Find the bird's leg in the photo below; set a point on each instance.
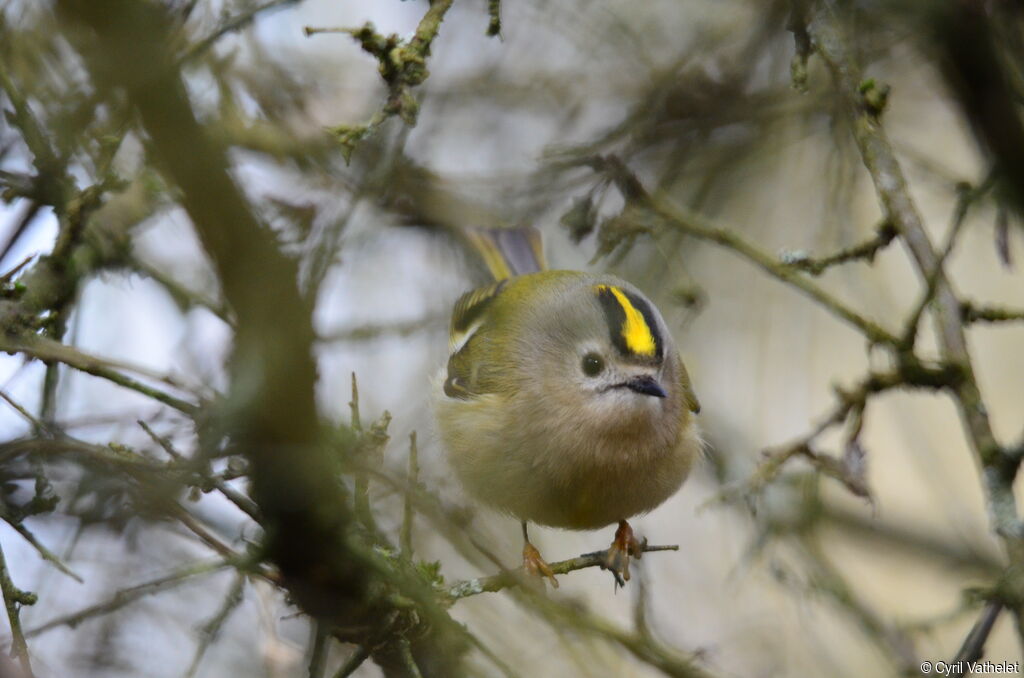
(623, 546)
(533, 563)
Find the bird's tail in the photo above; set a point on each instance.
(507, 252)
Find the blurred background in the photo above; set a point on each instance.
(721, 108)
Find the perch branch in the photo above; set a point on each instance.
(503, 580)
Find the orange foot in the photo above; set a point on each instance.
(535, 566)
(617, 556)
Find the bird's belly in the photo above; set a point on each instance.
(609, 485)
(555, 479)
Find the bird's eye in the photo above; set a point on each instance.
(593, 364)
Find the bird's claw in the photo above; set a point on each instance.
(618, 554)
(536, 567)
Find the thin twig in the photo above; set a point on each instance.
(45, 553)
(407, 512)
(647, 649)
(909, 374)
(25, 414)
(182, 295)
(231, 25)
(865, 251)
(963, 203)
(374, 331)
(14, 599)
(211, 629)
(411, 668)
(494, 18)
(9, 275)
(53, 351)
(356, 423)
(973, 647)
(130, 595)
(244, 503)
(318, 652)
(369, 449)
(828, 579)
(972, 313)
(190, 523)
(502, 666)
(353, 663)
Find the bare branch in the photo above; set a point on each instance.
(973, 313)
(231, 25)
(885, 233)
(131, 594)
(45, 553)
(53, 351)
(211, 629)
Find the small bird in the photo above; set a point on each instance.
(564, 402)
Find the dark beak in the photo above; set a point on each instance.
(646, 385)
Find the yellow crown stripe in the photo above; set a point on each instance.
(635, 331)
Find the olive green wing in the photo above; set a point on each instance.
(467, 342)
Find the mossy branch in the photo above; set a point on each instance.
(402, 65)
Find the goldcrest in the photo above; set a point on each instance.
(564, 402)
